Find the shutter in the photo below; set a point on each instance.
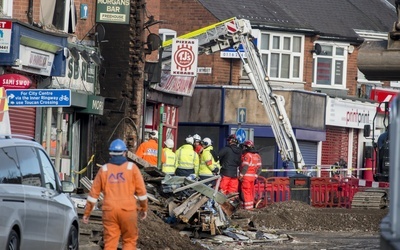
(309, 150)
(23, 120)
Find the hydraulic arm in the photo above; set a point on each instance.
(233, 33)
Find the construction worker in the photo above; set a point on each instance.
(148, 150)
(197, 144)
(168, 166)
(249, 170)
(187, 160)
(230, 160)
(209, 164)
(119, 181)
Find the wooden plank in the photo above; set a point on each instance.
(194, 208)
(180, 209)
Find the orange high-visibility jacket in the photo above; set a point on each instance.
(119, 184)
(148, 151)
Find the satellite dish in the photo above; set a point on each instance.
(153, 42)
(317, 49)
(100, 33)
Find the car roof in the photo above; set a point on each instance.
(8, 142)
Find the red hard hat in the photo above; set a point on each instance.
(232, 138)
(249, 144)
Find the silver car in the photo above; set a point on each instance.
(36, 211)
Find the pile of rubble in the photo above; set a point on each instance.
(203, 217)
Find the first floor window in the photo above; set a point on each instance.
(330, 66)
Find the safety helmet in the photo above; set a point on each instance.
(169, 143)
(189, 140)
(206, 142)
(248, 144)
(197, 138)
(232, 138)
(154, 134)
(117, 147)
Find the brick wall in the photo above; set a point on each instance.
(192, 16)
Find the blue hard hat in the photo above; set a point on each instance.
(117, 145)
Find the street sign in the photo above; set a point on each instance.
(39, 98)
(241, 135)
(241, 115)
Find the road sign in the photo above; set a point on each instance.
(39, 97)
(241, 135)
(241, 115)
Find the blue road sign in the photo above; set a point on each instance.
(241, 135)
(39, 97)
(241, 115)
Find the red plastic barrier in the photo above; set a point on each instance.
(331, 192)
(270, 190)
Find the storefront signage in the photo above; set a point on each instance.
(95, 105)
(79, 75)
(39, 98)
(15, 81)
(34, 61)
(5, 36)
(349, 113)
(383, 95)
(184, 57)
(113, 11)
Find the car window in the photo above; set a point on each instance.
(29, 165)
(48, 171)
(9, 172)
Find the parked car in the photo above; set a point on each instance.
(36, 210)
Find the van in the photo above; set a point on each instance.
(36, 209)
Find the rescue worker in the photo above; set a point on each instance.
(197, 144)
(249, 170)
(119, 181)
(148, 150)
(187, 160)
(168, 166)
(209, 164)
(230, 160)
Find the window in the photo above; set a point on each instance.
(330, 66)
(282, 55)
(9, 171)
(166, 34)
(6, 7)
(48, 171)
(30, 168)
(58, 13)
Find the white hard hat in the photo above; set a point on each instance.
(189, 140)
(154, 134)
(169, 143)
(206, 142)
(197, 137)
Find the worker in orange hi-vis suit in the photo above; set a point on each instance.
(148, 150)
(249, 170)
(119, 181)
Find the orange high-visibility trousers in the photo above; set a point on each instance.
(120, 222)
(247, 192)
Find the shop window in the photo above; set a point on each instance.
(60, 14)
(65, 133)
(6, 7)
(330, 66)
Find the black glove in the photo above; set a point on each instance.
(216, 171)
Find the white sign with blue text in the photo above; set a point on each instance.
(39, 98)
